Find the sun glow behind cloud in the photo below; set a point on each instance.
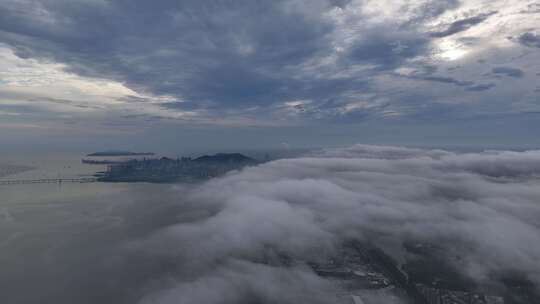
(31, 79)
(450, 51)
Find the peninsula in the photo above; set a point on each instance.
(184, 169)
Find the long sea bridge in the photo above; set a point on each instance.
(47, 181)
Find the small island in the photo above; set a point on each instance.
(114, 157)
(120, 153)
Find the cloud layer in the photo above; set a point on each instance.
(246, 237)
(480, 208)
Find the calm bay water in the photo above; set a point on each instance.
(65, 243)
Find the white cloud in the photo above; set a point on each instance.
(480, 207)
(47, 86)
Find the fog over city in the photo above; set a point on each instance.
(482, 208)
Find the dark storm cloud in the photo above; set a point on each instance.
(232, 84)
(247, 59)
(508, 71)
(225, 52)
(481, 87)
(388, 48)
(442, 79)
(466, 84)
(215, 55)
(462, 25)
(530, 39)
(340, 3)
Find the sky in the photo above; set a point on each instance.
(222, 74)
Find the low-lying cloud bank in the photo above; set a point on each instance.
(483, 209)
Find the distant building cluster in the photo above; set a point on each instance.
(441, 296)
(167, 169)
(367, 275)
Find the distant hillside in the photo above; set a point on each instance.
(120, 153)
(225, 158)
